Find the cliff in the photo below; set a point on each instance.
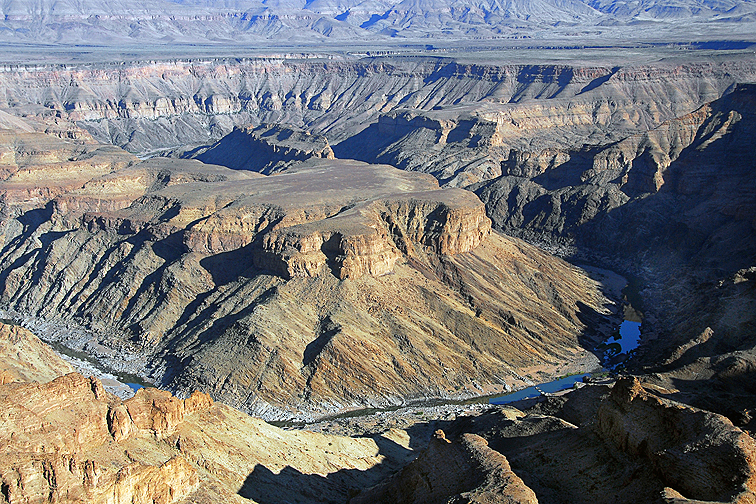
(174, 104)
(67, 440)
(265, 149)
(279, 294)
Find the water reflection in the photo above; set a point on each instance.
(551, 387)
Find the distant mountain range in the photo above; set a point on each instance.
(285, 22)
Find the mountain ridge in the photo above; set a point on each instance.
(68, 22)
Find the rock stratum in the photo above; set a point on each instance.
(330, 286)
(182, 103)
(65, 439)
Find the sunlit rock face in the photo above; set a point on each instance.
(334, 284)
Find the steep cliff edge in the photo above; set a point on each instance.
(67, 440)
(265, 149)
(153, 105)
(279, 294)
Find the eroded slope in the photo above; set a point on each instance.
(334, 285)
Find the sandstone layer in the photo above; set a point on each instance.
(178, 103)
(265, 149)
(26, 359)
(330, 286)
(67, 440)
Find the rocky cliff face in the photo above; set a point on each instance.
(51, 434)
(672, 205)
(704, 456)
(266, 149)
(535, 118)
(629, 443)
(279, 294)
(175, 104)
(448, 471)
(67, 440)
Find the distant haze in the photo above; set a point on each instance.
(292, 22)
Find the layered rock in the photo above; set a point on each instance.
(279, 294)
(52, 434)
(65, 441)
(449, 471)
(535, 119)
(26, 359)
(265, 149)
(175, 104)
(698, 453)
(35, 167)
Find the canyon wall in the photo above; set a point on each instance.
(174, 104)
(278, 294)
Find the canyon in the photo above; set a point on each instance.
(275, 292)
(307, 237)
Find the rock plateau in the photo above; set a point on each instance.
(279, 294)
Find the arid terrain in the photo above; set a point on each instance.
(359, 221)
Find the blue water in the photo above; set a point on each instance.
(629, 337)
(621, 344)
(135, 386)
(536, 390)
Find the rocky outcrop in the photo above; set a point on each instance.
(265, 149)
(35, 167)
(451, 471)
(176, 104)
(698, 453)
(64, 441)
(51, 437)
(534, 120)
(23, 358)
(255, 289)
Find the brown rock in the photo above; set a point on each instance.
(700, 453)
(23, 357)
(466, 470)
(259, 287)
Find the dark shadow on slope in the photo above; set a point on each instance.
(598, 81)
(227, 267)
(566, 174)
(365, 145)
(327, 330)
(290, 486)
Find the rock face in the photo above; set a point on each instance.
(26, 359)
(531, 120)
(466, 470)
(168, 105)
(697, 161)
(279, 294)
(69, 441)
(36, 167)
(51, 436)
(266, 149)
(599, 444)
(698, 453)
